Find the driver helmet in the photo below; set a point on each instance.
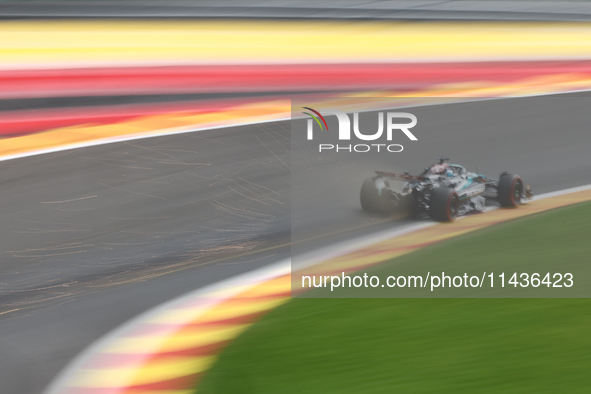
(449, 173)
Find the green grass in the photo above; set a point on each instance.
(407, 345)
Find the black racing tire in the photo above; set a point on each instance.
(510, 190)
(370, 199)
(445, 204)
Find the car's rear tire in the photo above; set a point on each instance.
(445, 204)
(370, 199)
(510, 190)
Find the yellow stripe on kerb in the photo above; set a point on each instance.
(174, 342)
(148, 373)
(223, 311)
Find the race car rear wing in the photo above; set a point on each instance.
(401, 177)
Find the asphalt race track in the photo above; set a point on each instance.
(92, 237)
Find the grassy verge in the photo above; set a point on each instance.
(429, 345)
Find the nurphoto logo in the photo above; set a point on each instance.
(344, 134)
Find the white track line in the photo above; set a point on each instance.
(131, 137)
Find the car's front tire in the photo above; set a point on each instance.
(510, 191)
(445, 204)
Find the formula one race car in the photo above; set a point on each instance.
(443, 192)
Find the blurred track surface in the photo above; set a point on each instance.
(91, 237)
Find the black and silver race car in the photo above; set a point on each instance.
(443, 192)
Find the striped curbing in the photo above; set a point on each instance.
(227, 114)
